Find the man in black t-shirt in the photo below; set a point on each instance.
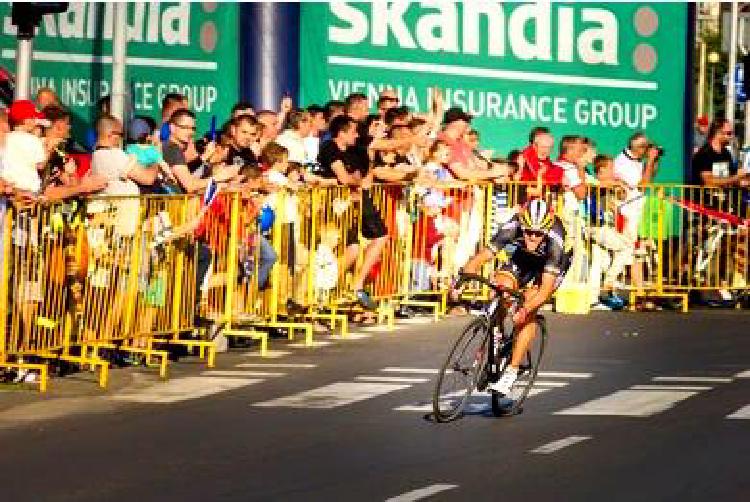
(714, 168)
(243, 136)
(342, 163)
(713, 164)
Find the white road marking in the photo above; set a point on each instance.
(334, 395)
(240, 373)
(351, 336)
(416, 320)
(474, 407)
(316, 344)
(630, 403)
(742, 413)
(670, 387)
(691, 379)
(421, 493)
(271, 354)
(377, 329)
(545, 383)
(743, 374)
(276, 365)
(390, 379)
(182, 389)
(562, 374)
(416, 371)
(535, 391)
(559, 444)
(427, 405)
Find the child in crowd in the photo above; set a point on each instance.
(436, 168)
(144, 144)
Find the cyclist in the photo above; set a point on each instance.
(531, 248)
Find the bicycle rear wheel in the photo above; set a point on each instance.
(512, 403)
(462, 367)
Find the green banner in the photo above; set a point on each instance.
(172, 47)
(604, 70)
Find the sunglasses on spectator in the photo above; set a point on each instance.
(183, 126)
(534, 233)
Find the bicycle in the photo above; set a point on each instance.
(482, 353)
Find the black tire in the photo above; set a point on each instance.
(458, 376)
(513, 403)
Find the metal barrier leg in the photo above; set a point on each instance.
(41, 368)
(255, 335)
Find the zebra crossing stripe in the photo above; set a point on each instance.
(558, 445)
(276, 365)
(670, 387)
(390, 379)
(316, 344)
(743, 413)
(692, 379)
(183, 389)
(416, 371)
(270, 354)
(422, 493)
(544, 383)
(743, 374)
(633, 402)
(240, 373)
(334, 395)
(562, 374)
(351, 336)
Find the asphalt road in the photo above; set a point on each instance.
(630, 407)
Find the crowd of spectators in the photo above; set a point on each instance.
(339, 143)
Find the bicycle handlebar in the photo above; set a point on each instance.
(500, 290)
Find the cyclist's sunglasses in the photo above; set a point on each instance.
(534, 233)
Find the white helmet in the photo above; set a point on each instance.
(536, 215)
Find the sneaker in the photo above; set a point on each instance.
(293, 307)
(600, 306)
(221, 343)
(404, 312)
(506, 381)
(215, 335)
(364, 299)
(25, 376)
(320, 329)
(613, 301)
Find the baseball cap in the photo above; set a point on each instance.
(454, 114)
(138, 128)
(23, 109)
(703, 121)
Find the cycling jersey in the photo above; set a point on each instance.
(528, 266)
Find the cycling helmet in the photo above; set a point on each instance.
(536, 215)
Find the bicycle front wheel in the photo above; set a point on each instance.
(527, 373)
(463, 366)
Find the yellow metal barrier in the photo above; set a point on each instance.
(173, 269)
(130, 273)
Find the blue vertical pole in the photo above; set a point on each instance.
(269, 64)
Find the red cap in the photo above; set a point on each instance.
(23, 109)
(702, 121)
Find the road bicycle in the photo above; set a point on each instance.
(482, 352)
